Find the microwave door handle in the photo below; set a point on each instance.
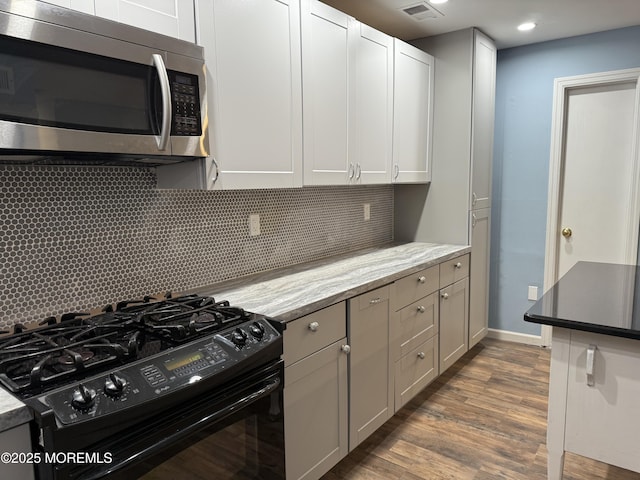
(166, 101)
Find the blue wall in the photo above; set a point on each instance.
(522, 142)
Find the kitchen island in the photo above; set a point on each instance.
(594, 385)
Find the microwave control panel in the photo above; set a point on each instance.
(185, 103)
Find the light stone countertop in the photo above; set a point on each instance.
(290, 293)
(13, 412)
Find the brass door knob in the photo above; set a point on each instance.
(566, 232)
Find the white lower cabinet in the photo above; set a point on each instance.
(315, 393)
(16, 440)
(346, 375)
(479, 275)
(414, 334)
(370, 386)
(454, 323)
(454, 310)
(594, 415)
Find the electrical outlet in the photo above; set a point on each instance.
(533, 293)
(367, 211)
(254, 224)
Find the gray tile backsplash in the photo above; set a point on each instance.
(75, 238)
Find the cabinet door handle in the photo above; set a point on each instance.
(358, 171)
(396, 171)
(591, 360)
(214, 179)
(445, 295)
(422, 279)
(474, 220)
(421, 355)
(313, 326)
(474, 198)
(346, 349)
(421, 309)
(373, 301)
(458, 265)
(351, 171)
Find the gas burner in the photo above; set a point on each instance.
(62, 350)
(73, 358)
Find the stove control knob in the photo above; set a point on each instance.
(239, 337)
(257, 330)
(114, 385)
(83, 398)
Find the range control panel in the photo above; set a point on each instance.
(152, 377)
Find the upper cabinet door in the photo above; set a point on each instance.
(168, 17)
(325, 100)
(371, 104)
(85, 6)
(484, 86)
(254, 89)
(412, 114)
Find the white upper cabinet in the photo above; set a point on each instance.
(412, 114)
(85, 6)
(370, 104)
(174, 18)
(254, 91)
(325, 76)
(484, 86)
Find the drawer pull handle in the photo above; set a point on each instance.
(373, 301)
(458, 265)
(346, 349)
(421, 355)
(421, 309)
(313, 326)
(591, 360)
(421, 279)
(445, 295)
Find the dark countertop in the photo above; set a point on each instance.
(594, 297)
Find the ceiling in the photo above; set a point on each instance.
(497, 18)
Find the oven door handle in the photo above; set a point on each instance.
(270, 387)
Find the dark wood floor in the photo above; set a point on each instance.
(484, 418)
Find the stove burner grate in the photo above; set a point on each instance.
(32, 361)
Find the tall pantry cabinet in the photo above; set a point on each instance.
(456, 207)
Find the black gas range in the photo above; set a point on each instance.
(143, 380)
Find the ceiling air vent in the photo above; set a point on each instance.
(421, 11)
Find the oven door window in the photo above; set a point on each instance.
(247, 447)
(58, 87)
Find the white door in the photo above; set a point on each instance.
(593, 198)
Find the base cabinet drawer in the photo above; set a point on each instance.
(454, 270)
(415, 286)
(414, 324)
(316, 409)
(415, 371)
(312, 332)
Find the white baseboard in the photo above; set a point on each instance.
(515, 337)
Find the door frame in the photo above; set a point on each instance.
(561, 89)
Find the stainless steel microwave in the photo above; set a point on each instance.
(75, 84)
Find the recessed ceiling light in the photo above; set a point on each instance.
(435, 2)
(523, 27)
